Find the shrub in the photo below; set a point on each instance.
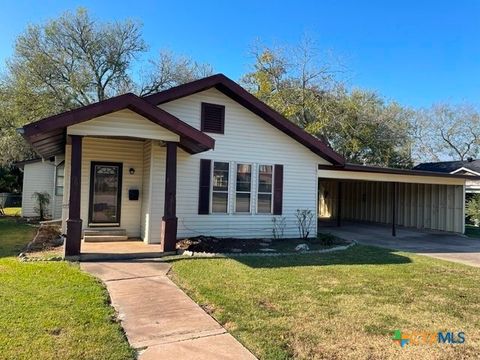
(305, 219)
(43, 200)
(279, 225)
(472, 209)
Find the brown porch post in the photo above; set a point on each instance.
(394, 208)
(169, 219)
(74, 223)
(339, 203)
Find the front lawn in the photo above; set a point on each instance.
(52, 310)
(14, 211)
(340, 305)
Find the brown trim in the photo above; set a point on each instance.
(243, 97)
(204, 106)
(278, 190)
(394, 208)
(169, 219)
(74, 222)
(119, 195)
(47, 136)
(379, 170)
(339, 203)
(204, 187)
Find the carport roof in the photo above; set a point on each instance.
(393, 171)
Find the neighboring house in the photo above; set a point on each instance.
(43, 176)
(209, 158)
(470, 168)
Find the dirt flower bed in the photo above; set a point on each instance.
(211, 244)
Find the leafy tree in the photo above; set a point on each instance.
(472, 209)
(73, 61)
(307, 89)
(447, 131)
(10, 179)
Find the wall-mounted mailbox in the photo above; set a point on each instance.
(133, 194)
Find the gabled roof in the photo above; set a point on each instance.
(243, 97)
(48, 135)
(450, 166)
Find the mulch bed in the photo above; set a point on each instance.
(211, 244)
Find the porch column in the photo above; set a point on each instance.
(339, 203)
(169, 219)
(394, 208)
(74, 223)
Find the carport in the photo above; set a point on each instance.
(399, 198)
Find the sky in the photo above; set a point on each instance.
(414, 52)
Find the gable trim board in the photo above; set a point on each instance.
(48, 137)
(466, 170)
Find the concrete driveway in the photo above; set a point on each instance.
(440, 245)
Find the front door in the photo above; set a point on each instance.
(105, 193)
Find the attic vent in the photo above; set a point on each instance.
(213, 118)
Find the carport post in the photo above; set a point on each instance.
(394, 208)
(339, 203)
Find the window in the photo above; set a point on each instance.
(213, 118)
(265, 181)
(243, 191)
(59, 178)
(220, 187)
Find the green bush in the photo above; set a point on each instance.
(472, 209)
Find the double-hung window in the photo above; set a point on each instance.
(244, 188)
(220, 187)
(264, 194)
(59, 178)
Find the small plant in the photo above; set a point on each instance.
(305, 220)
(325, 239)
(43, 200)
(472, 209)
(279, 225)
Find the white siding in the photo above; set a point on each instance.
(123, 123)
(127, 152)
(37, 177)
(247, 139)
(146, 193)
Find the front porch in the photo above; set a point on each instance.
(121, 250)
(122, 188)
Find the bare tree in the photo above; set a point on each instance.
(77, 58)
(447, 131)
(170, 70)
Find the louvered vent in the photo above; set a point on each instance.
(213, 118)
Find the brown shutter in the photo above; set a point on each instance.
(278, 190)
(204, 191)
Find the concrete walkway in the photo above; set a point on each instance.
(159, 319)
(437, 244)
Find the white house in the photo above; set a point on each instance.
(43, 176)
(209, 158)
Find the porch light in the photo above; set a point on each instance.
(131, 171)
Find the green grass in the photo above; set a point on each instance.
(340, 305)
(16, 211)
(52, 310)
